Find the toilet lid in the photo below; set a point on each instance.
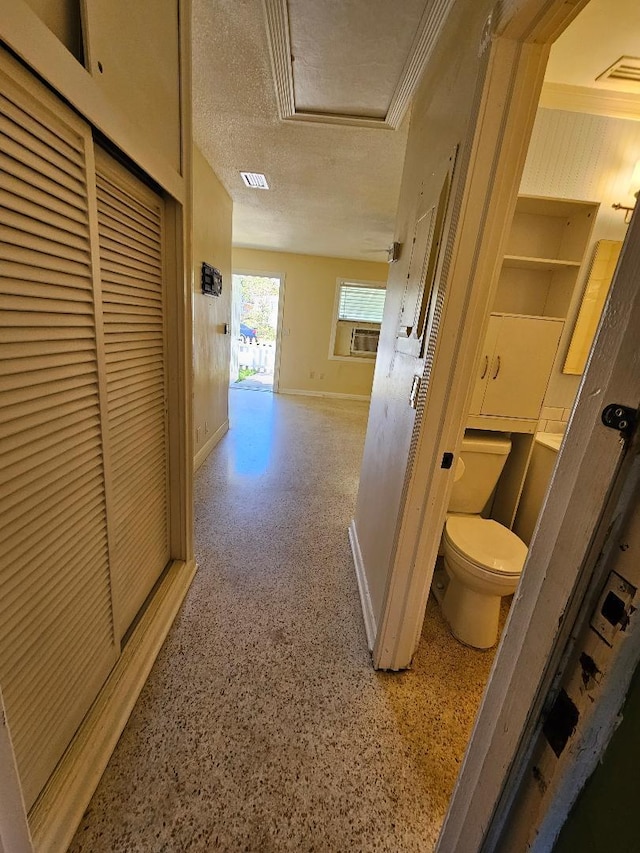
(487, 543)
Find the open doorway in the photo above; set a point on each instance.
(254, 332)
(515, 278)
(536, 306)
(562, 246)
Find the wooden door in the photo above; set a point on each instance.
(130, 236)
(57, 642)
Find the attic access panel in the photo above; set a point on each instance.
(333, 72)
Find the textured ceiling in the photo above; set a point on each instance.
(334, 188)
(604, 31)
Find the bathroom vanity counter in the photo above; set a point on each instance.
(550, 440)
(541, 465)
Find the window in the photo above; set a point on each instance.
(358, 315)
(360, 302)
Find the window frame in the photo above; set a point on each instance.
(335, 320)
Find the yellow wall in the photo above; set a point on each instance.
(310, 289)
(131, 92)
(212, 211)
(136, 43)
(439, 120)
(62, 17)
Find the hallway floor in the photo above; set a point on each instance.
(262, 726)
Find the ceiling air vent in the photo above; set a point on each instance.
(625, 70)
(254, 180)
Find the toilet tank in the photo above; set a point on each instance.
(484, 454)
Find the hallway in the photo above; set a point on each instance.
(262, 726)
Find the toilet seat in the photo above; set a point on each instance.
(485, 544)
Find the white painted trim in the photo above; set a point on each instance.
(337, 118)
(208, 446)
(277, 18)
(351, 359)
(335, 394)
(278, 37)
(58, 812)
(582, 99)
(281, 306)
(431, 25)
(363, 587)
(279, 332)
(14, 827)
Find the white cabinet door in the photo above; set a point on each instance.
(519, 371)
(486, 360)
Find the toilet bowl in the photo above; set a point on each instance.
(483, 561)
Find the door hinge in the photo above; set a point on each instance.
(621, 418)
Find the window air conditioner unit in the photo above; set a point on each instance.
(365, 342)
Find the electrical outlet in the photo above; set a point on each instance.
(614, 608)
(321, 376)
(312, 374)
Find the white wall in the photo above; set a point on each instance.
(589, 158)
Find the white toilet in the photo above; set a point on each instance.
(483, 560)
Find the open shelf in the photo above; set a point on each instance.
(528, 316)
(534, 263)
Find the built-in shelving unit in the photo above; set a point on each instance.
(545, 250)
(522, 262)
(546, 246)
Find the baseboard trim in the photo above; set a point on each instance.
(59, 810)
(208, 446)
(363, 587)
(366, 398)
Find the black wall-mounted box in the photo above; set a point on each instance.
(211, 280)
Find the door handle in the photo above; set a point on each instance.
(495, 375)
(415, 390)
(485, 368)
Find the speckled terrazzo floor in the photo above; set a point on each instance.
(262, 726)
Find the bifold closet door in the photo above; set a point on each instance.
(130, 220)
(56, 624)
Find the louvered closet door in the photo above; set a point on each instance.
(56, 629)
(130, 229)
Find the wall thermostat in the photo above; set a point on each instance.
(211, 280)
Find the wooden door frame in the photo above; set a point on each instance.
(514, 53)
(559, 569)
(594, 484)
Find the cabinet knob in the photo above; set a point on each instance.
(485, 368)
(495, 375)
